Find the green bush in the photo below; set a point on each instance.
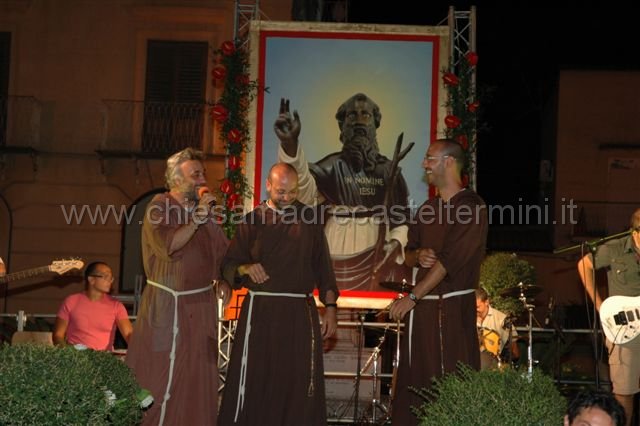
(500, 271)
(63, 386)
(492, 397)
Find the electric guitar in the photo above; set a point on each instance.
(620, 318)
(57, 266)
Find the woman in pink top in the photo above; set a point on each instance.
(90, 317)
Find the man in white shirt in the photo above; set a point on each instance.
(494, 330)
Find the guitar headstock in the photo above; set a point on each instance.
(65, 265)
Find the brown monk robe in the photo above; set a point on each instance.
(276, 374)
(182, 253)
(447, 242)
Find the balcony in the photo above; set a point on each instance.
(154, 129)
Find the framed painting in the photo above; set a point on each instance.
(320, 69)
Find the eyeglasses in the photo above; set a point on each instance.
(104, 277)
(435, 157)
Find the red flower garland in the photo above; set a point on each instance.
(230, 115)
(462, 108)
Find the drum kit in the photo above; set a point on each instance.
(377, 412)
(490, 340)
(525, 294)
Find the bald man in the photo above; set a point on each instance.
(280, 254)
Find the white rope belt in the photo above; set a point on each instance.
(172, 355)
(245, 344)
(434, 297)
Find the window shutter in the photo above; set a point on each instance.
(174, 95)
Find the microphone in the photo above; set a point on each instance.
(205, 190)
(547, 319)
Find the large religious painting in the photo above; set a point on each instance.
(361, 95)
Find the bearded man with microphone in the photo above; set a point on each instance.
(173, 350)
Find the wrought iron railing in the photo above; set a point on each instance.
(20, 121)
(155, 127)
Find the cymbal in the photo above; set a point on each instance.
(401, 287)
(521, 289)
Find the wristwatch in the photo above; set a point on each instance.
(413, 297)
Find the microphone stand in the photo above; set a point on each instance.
(508, 323)
(375, 402)
(593, 248)
(361, 315)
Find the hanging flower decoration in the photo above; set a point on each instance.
(226, 187)
(230, 115)
(228, 48)
(451, 121)
(450, 79)
(219, 113)
(219, 72)
(234, 136)
(472, 58)
(233, 162)
(461, 121)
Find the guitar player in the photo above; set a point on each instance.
(621, 258)
(494, 332)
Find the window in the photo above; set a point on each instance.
(174, 107)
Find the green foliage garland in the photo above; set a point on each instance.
(230, 114)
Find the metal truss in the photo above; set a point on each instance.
(462, 31)
(226, 331)
(245, 12)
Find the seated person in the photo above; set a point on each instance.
(493, 323)
(3, 269)
(90, 318)
(597, 408)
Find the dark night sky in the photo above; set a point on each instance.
(521, 50)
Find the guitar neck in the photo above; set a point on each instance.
(24, 274)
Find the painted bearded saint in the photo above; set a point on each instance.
(367, 208)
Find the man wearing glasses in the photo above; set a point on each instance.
(621, 258)
(90, 317)
(447, 241)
